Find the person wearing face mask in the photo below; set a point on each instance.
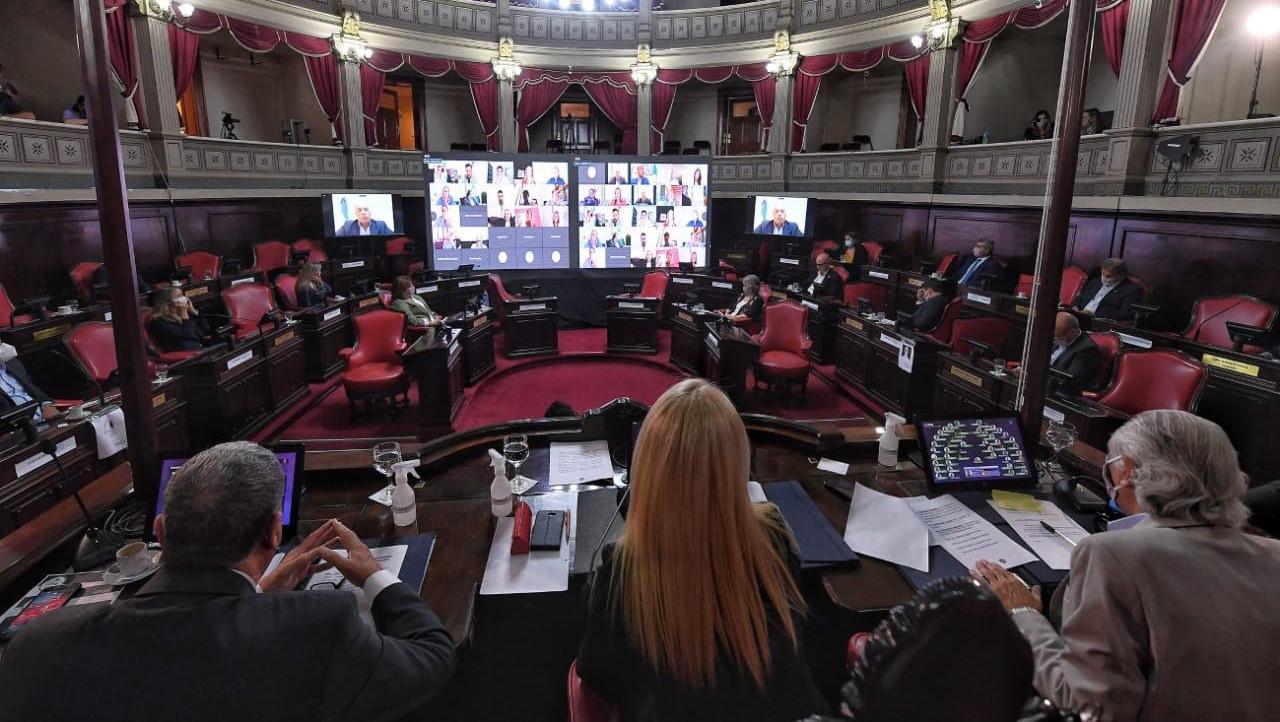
(17, 388)
(824, 283)
(854, 254)
(1110, 294)
(175, 325)
(981, 269)
(1170, 619)
(1074, 353)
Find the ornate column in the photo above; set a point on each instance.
(1142, 71)
(506, 70)
(643, 73)
(351, 51)
(781, 64)
(150, 19)
(939, 105)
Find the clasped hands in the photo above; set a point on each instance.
(316, 553)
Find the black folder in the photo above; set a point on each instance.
(821, 546)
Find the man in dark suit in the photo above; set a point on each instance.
(1074, 353)
(930, 304)
(211, 637)
(1110, 294)
(16, 386)
(981, 269)
(778, 225)
(824, 283)
(363, 224)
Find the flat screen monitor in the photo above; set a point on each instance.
(651, 213)
(350, 215)
(498, 214)
(780, 216)
(292, 458)
(975, 453)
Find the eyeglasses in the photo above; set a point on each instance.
(325, 586)
(1106, 471)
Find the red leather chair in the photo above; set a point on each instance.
(1025, 283)
(942, 332)
(842, 272)
(153, 349)
(7, 317)
(201, 262)
(270, 256)
(1210, 315)
(82, 279)
(1073, 280)
(873, 292)
(585, 704)
(315, 247)
(375, 370)
(398, 246)
(727, 271)
(1109, 345)
(944, 265)
(783, 346)
(246, 305)
(873, 251)
(655, 286)
(287, 290)
(827, 247)
(93, 345)
(1154, 379)
(857, 643)
(502, 296)
(762, 256)
(991, 330)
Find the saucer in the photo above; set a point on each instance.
(113, 576)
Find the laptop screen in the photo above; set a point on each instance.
(975, 452)
(288, 464)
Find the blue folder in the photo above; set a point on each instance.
(821, 546)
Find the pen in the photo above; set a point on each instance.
(1050, 529)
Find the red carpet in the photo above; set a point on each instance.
(583, 376)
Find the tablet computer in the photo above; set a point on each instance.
(975, 452)
(292, 458)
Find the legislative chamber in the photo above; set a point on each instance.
(638, 360)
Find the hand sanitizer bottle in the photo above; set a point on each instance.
(404, 504)
(889, 439)
(500, 489)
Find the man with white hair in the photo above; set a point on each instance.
(1172, 619)
(211, 637)
(364, 223)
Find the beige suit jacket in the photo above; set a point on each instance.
(1165, 621)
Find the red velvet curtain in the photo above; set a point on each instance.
(432, 67)
(662, 97)
(326, 81)
(765, 89)
(1114, 18)
(536, 98)
(124, 61)
(184, 50)
(804, 91)
(1193, 25)
(918, 83)
(251, 36)
(371, 82)
(618, 103)
(860, 61)
(484, 91)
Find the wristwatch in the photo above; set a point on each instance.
(1014, 612)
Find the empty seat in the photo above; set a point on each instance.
(247, 304)
(82, 279)
(375, 369)
(784, 343)
(873, 292)
(1153, 379)
(314, 249)
(1210, 315)
(270, 256)
(991, 330)
(204, 265)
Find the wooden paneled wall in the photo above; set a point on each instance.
(1181, 257)
(40, 243)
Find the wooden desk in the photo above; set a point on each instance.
(867, 359)
(228, 280)
(477, 343)
(631, 324)
(788, 268)
(325, 331)
(887, 277)
(439, 296)
(434, 361)
(688, 334)
(343, 272)
(204, 295)
(28, 476)
(532, 327)
(363, 303)
(712, 292)
(234, 391)
(730, 352)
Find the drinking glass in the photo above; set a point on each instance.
(1060, 436)
(162, 373)
(385, 456)
(998, 366)
(515, 447)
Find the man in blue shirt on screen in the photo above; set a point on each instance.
(779, 225)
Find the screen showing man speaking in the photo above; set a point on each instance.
(780, 216)
(361, 214)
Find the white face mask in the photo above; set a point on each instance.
(7, 353)
(1111, 282)
(848, 243)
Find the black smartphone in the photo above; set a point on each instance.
(841, 487)
(45, 601)
(548, 530)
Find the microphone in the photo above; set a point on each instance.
(1219, 313)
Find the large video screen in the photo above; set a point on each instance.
(780, 216)
(361, 214)
(649, 214)
(498, 214)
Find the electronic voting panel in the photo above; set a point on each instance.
(975, 453)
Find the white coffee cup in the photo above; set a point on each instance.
(133, 558)
(65, 309)
(75, 413)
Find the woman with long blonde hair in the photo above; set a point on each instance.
(695, 614)
(175, 325)
(311, 289)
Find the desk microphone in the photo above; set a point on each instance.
(1219, 313)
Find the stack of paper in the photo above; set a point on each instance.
(965, 535)
(885, 527)
(1052, 548)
